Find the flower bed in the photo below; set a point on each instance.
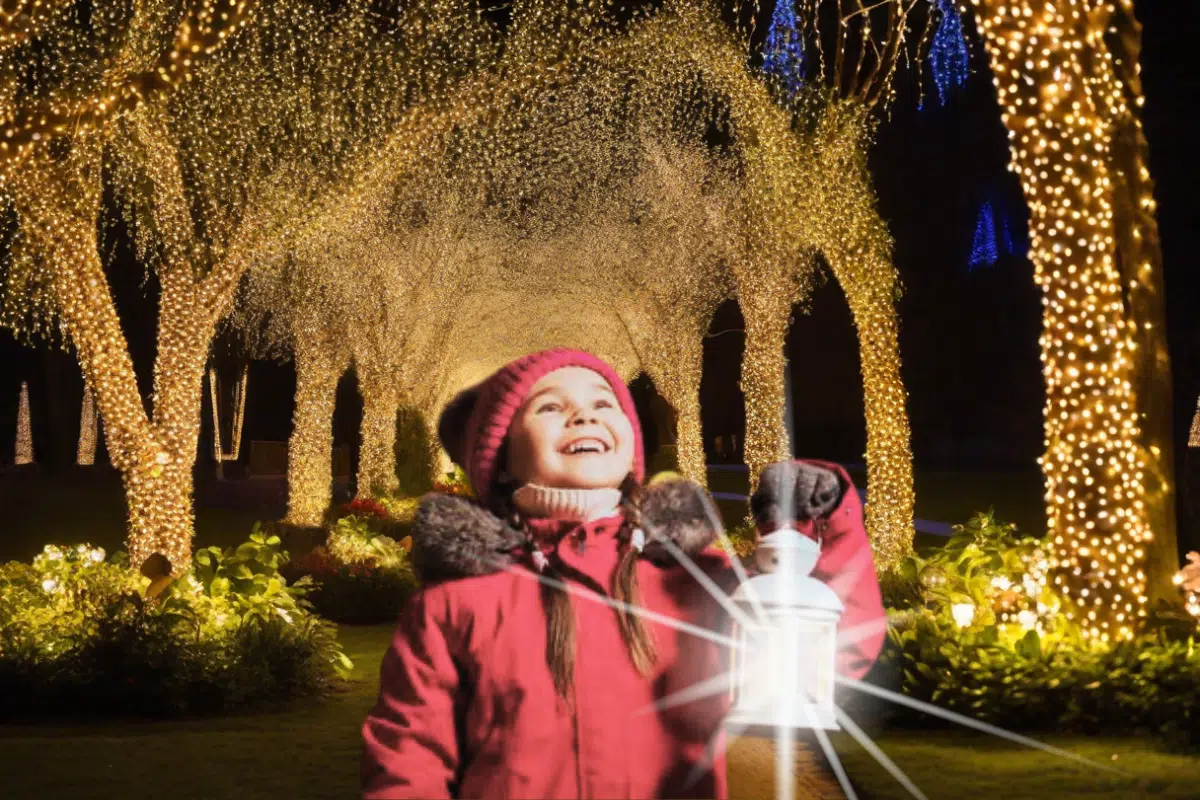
(81, 634)
(361, 575)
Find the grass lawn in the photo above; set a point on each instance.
(312, 751)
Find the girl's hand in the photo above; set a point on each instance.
(807, 491)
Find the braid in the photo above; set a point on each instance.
(560, 621)
(625, 587)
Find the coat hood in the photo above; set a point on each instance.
(456, 537)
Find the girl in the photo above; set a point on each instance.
(510, 676)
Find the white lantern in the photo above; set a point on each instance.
(783, 670)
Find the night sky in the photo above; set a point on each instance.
(968, 336)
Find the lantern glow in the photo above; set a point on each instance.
(783, 670)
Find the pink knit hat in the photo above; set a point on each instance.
(474, 424)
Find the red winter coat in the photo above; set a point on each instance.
(468, 708)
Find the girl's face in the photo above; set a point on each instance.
(571, 434)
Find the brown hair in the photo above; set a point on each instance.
(560, 616)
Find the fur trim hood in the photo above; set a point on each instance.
(455, 537)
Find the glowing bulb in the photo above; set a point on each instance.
(963, 613)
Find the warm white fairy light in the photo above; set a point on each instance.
(239, 413)
(493, 147)
(1194, 432)
(23, 453)
(140, 104)
(559, 175)
(310, 449)
(1058, 91)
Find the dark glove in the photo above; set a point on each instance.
(679, 511)
(794, 491)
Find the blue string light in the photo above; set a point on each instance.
(783, 54)
(948, 57)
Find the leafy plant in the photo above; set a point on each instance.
(975, 629)
(353, 540)
(357, 594)
(78, 634)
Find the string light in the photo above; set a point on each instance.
(310, 449)
(424, 191)
(592, 213)
(1059, 94)
(239, 413)
(86, 454)
(23, 453)
(280, 88)
(948, 56)
(783, 53)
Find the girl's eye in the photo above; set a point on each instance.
(604, 404)
(548, 407)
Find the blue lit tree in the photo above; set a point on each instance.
(985, 249)
(998, 233)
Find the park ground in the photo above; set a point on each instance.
(311, 750)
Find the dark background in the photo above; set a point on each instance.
(968, 336)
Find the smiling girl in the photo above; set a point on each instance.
(545, 654)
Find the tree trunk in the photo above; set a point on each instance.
(377, 455)
(161, 517)
(1055, 86)
(184, 335)
(310, 449)
(858, 248)
(439, 459)
(766, 318)
(1140, 260)
(157, 486)
(679, 383)
(889, 511)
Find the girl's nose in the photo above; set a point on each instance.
(583, 416)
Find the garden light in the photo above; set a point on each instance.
(783, 673)
(964, 614)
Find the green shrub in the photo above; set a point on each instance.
(78, 636)
(1014, 661)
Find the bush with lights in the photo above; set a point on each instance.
(977, 629)
(362, 575)
(83, 634)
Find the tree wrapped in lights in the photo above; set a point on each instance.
(538, 147)
(1069, 100)
(319, 366)
(203, 207)
(23, 453)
